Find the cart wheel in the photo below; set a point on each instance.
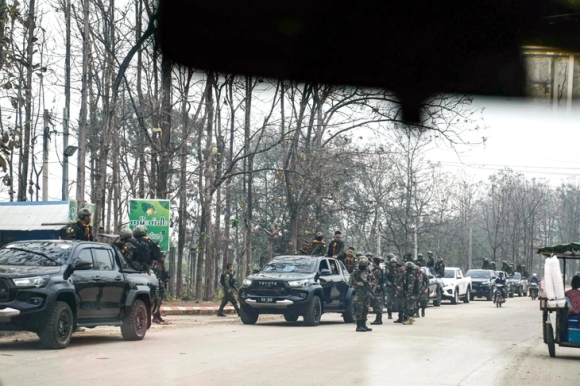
(550, 340)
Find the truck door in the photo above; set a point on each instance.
(110, 281)
(86, 287)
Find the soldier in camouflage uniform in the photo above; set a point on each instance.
(391, 283)
(127, 245)
(81, 230)
(420, 260)
(317, 247)
(423, 292)
(361, 281)
(410, 290)
(439, 267)
(349, 260)
(228, 282)
(162, 277)
(379, 289)
(400, 294)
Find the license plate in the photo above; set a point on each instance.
(266, 300)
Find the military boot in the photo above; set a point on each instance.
(417, 314)
(378, 319)
(390, 315)
(221, 313)
(360, 327)
(364, 324)
(409, 321)
(422, 312)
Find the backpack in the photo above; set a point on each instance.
(223, 279)
(66, 232)
(156, 254)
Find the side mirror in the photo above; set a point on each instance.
(80, 265)
(325, 272)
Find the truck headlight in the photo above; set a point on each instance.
(247, 282)
(299, 283)
(36, 281)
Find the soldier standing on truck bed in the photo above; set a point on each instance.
(81, 230)
(228, 282)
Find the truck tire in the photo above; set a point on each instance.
(313, 312)
(348, 314)
(455, 298)
(467, 297)
(437, 301)
(248, 316)
(489, 295)
(57, 332)
(290, 316)
(134, 325)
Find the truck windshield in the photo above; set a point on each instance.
(45, 253)
(294, 266)
(478, 274)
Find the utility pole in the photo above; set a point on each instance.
(66, 110)
(45, 137)
(83, 124)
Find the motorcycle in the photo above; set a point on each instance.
(534, 291)
(498, 297)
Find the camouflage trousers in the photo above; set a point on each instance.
(423, 300)
(378, 303)
(400, 301)
(390, 297)
(362, 302)
(229, 297)
(410, 306)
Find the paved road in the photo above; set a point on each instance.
(466, 344)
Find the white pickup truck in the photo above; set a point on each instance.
(456, 286)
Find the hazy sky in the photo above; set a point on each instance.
(526, 136)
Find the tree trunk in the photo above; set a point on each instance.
(249, 180)
(166, 152)
(28, 101)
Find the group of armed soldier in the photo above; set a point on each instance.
(140, 252)
(510, 269)
(401, 284)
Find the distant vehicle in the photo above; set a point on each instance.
(481, 283)
(517, 284)
(456, 286)
(295, 286)
(435, 287)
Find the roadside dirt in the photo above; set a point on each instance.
(173, 322)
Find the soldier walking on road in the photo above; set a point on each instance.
(162, 278)
(400, 294)
(379, 281)
(391, 283)
(228, 283)
(424, 292)
(361, 280)
(410, 290)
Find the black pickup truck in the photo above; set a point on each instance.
(51, 287)
(297, 286)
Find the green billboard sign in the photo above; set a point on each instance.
(154, 214)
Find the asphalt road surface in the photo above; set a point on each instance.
(465, 344)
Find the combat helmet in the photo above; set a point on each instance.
(363, 262)
(84, 213)
(140, 231)
(125, 233)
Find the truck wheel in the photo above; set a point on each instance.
(348, 314)
(134, 324)
(467, 297)
(455, 298)
(248, 316)
(57, 332)
(313, 312)
(437, 302)
(290, 317)
(511, 295)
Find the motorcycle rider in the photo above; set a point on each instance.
(534, 280)
(501, 281)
